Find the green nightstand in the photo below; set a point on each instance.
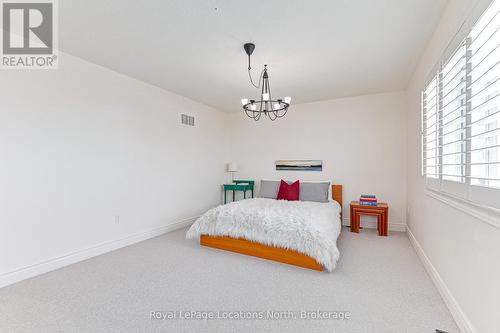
(239, 185)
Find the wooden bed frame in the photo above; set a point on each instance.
(254, 249)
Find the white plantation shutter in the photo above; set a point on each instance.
(453, 100)
(430, 127)
(461, 117)
(484, 110)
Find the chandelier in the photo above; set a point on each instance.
(265, 105)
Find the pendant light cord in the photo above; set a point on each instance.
(250, 74)
(251, 80)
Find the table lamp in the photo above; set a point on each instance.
(232, 167)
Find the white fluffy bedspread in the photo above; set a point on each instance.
(311, 228)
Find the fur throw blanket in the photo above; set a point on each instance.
(311, 228)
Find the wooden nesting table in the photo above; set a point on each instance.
(381, 211)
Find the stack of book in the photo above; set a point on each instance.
(368, 200)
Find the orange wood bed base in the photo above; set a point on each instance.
(254, 249)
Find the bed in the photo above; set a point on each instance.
(299, 233)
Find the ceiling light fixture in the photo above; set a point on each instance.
(254, 109)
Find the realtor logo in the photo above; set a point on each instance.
(28, 34)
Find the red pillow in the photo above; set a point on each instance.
(289, 192)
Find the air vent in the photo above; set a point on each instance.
(187, 120)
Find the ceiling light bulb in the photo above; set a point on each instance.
(265, 96)
(288, 100)
(277, 106)
(244, 101)
(253, 107)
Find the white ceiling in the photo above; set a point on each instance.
(315, 50)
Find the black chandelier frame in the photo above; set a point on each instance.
(267, 106)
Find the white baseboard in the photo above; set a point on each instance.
(373, 225)
(74, 257)
(461, 319)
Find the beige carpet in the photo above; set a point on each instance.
(379, 281)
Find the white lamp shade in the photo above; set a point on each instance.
(232, 167)
(244, 101)
(288, 100)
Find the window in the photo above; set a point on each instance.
(461, 117)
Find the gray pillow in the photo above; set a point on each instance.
(269, 189)
(317, 192)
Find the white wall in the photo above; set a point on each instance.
(361, 140)
(464, 250)
(82, 144)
